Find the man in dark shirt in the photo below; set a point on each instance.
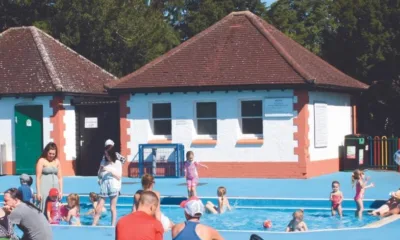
(141, 224)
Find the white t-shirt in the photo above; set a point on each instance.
(106, 175)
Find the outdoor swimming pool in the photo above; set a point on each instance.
(249, 214)
(253, 218)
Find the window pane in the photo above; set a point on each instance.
(206, 110)
(252, 126)
(208, 126)
(162, 127)
(161, 110)
(251, 108)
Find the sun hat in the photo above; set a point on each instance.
(109, 142)
(53, 192)
(24, 177)
(193, 206)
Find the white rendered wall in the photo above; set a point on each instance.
(7, 111)
(278, 132)
(339, 122)
(70, 130)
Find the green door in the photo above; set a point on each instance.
(28, 137)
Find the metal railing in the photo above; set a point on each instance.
(381, 151)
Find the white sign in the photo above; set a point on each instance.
(278, 107)
(181, 122)
(351, 152)
(320, 125)
(360, 156)
(91, 122)
(28, 123)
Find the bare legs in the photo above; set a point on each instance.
(360, 208)
(339, 210)
(99, 207)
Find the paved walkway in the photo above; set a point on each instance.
(318, 187)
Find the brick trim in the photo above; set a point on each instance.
(125, 124)
(57, 134)
(301, 136)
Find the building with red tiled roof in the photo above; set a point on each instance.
(247, 99)
(44, 89)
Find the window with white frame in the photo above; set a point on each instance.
(161, 116)
(251, 116)
(206, 115)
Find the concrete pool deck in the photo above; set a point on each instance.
(318, 187)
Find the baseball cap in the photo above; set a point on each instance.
(109, 142)
(53, 192)
(193, 206)
(24, 177)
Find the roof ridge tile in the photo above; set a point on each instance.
(256, 21)
(46, 59)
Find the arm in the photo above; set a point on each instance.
(368, 186)
(330, 196)
(69, 215)
(220, 203)
(201, 165)
(215, 235)
(117, 173)
(60, 179)
(287, 229)
(305, 228)
(342, 197)
(229, 205)
(48, 207)
(39, 168)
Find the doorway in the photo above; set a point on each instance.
(96, 124)
(28, 137)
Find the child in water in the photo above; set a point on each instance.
(297, 224)
(73, 217)
(358, 180)
(192, 177)
(336, 199)
(53, 207)
(93, 197)
(223, 202)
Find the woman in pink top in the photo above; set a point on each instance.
(357, 179)
(192, 177)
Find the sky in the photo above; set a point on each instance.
(268, 2)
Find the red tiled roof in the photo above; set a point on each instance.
(33, 62)
(239, 50)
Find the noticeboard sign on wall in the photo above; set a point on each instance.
(320, 125)
(278, 107)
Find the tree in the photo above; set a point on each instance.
(119, 35)
(15, 13)
(308, 22)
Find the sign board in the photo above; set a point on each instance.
(351, 152)
(360, 156)
(278, 107)
(320, 125)
(91, 122)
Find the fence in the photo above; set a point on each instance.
(381, 151)
(161, 160)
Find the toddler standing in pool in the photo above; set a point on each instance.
(336, 199)
(360, 183)
(192, 177)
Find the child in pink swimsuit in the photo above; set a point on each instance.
(358, 180)
(192, 177)
(336, 199)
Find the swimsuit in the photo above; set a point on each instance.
(336, 201)
(192, 177)
(359, 193)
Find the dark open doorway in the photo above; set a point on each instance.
(96, 122)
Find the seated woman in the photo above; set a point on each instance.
(392, 206)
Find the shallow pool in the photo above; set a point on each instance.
(253, 218)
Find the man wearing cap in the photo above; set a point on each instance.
(25, 188)
(192, 229)
(141, 224)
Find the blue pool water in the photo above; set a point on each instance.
(253, 218)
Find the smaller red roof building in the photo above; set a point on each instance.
(240, 51)
(32, 62)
